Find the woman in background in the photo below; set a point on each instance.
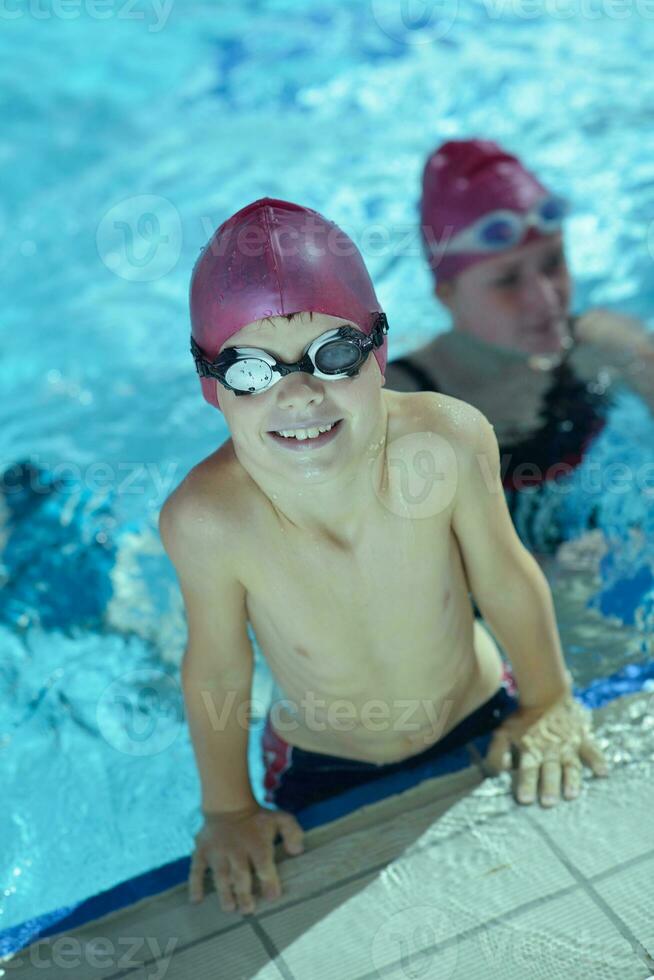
(493, 236)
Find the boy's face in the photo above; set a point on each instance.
(299, 399)
(519, 300)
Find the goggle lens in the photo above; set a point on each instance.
(249, 374)
(499, 233)
(336, 356)
(552, 211)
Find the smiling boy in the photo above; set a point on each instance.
(353, 553)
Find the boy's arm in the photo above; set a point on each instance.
(217, 666)
(508, 586)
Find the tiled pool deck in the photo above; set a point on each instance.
(449, 880)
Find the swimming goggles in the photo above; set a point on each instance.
(502, 229)
(332, 356)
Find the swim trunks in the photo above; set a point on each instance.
(295, 778)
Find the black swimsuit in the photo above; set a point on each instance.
(572, 417)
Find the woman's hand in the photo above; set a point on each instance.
(554, 741)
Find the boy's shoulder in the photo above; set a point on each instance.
(465, 448)
(205, 504)
(463, 426)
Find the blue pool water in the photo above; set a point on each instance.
(116, 168)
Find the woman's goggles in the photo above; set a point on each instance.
(332, 356)
(505, 229)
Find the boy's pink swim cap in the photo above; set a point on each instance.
(462, 181)
(273, 258)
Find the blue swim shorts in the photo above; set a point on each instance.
(295, 778)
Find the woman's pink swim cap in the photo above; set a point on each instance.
(462, 181)
(273, 258)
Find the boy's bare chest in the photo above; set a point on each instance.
(386, 628)
(333, 618)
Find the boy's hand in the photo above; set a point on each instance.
(555, 741)
(232, 844)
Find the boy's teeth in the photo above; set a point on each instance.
(304, 433)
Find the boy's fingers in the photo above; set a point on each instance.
(242, 885)
(527, 781)
(221, 879)
(291, 832)
(268, 877)
(593, 756)
(498, 756)
(571, 780)
(220, 874)
(196, 878)
(551, 776)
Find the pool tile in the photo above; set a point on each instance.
(438, 888)
(566, 938)
(630, 893)
(619, 810)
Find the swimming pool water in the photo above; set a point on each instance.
(126, 141)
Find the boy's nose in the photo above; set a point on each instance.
(298, 386)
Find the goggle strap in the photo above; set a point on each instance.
(202, 365)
